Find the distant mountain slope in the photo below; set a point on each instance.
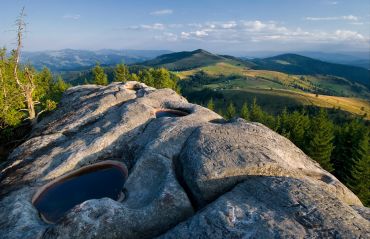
(361, 63)
(360, 59)
(186, 60)
(301, 65)
(69, 59)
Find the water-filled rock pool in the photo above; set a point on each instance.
(170, 113)
(95, 181)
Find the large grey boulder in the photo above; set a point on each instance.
(217, 156)
(189, 177)
(274, 207)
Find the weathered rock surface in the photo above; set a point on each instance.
(189, 177)
(216, 157)
(274, 207)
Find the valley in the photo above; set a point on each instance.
(284, 81)
(226, 79)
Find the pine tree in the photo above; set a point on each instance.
(277, 123)
(360, 181)
(146, 77)
(244, 112)
(134, 77)
(44, 90)
(299, 124)
(121, 73)
(58, 88)
(321, 135)
(351, 158)
(230, 111)
(10, 95)
(269, 120)
(342, 153)
(99, 76)
(174, 83)
(45, 80)
(256, 113)
(220, 112)
(162, 78)
(283, 124)
(211, 105)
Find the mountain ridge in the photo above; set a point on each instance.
(71, 59)
(291, 63)
(185, 60)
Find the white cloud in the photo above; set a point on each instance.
(195, 25)
(256, 31)
(346, 18)
(185, 35)
(201, 33)
(174, 25)
(254, 25)
(350, 18)
(358, 23)
(348, 35)
(72, 17)
(167, 36)
(229, 25)
(162, 12)
(195, 34)
(154, 26)
(331, 2)
(259, 31)
(258, 26)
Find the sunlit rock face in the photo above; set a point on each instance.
(190, 174)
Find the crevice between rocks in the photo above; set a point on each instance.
(180, 179)
(178, 170)
(177, 167)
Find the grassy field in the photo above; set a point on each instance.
(287, 81)
(354, 105)
(215, 70)
(324, 84)
(275, 90)
(276, 100)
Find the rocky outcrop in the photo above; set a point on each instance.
(195, 176)
(274, 207)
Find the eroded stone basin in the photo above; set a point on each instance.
(170, 113)
(133, 86)
(95, 181)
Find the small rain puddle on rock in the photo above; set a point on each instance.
(170, 113)
(92, 183)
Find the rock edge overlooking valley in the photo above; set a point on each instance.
(196, 176)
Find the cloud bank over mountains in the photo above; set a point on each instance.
(241, 31)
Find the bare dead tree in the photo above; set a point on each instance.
(21, 26)
(28, 86)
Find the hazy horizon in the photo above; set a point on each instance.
(364, 53)
(236, 28)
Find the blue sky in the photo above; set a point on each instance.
(220, 26)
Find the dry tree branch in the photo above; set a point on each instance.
(20, 29)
